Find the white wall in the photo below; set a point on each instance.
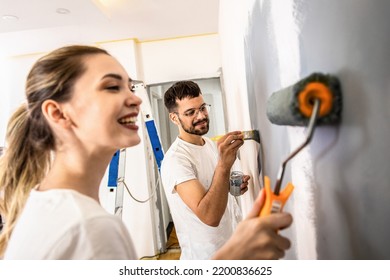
(179, 59)
(341, 200)
(13, 73)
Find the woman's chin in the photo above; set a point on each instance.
(134, 142)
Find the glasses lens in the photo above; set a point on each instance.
(206, 108)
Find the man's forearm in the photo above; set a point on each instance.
(213, 204)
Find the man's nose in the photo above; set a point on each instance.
(198, 112)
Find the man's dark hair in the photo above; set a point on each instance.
(180, 90)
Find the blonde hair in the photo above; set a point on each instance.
(29, 139)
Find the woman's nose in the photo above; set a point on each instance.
(133, 100)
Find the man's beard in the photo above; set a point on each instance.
(195, 131)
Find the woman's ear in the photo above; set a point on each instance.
(54, 114)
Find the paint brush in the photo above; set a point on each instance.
(247, 135)
(252, 135)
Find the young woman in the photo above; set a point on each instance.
(80, 109)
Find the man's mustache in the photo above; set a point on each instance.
(198, 122)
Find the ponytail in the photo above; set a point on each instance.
(22, 166)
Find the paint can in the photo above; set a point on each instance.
(235, 183)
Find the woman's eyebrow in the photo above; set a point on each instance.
(115, 76)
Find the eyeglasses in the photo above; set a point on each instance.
(204, 109)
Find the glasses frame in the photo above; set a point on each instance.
(205, 109)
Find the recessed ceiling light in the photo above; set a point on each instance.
(62, 11)
(9, 17)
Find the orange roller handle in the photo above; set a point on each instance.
(274, 203)
(315, 90)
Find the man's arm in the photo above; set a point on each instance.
(209, 206)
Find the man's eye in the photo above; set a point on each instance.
(190, 113)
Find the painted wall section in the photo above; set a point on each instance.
(341, 201)
(232, 22)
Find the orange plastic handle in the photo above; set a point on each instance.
(274, 203)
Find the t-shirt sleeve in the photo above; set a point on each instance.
(176, 170)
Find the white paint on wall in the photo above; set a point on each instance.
(304, 198)
(232, 18)
(341, 198)
(285, 31)
(284, 20)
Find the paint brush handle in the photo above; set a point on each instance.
(274, 203)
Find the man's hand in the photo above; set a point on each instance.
(228, 146)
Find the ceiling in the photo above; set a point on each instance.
(103, 20)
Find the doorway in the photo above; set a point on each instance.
(213, 94)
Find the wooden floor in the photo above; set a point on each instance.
(173, 249)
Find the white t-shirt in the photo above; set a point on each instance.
(185, 161)
(65, 224)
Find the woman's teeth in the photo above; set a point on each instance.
(128, 120)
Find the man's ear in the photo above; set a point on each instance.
(54, 114)
(174, 118)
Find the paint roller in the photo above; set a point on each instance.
(314, 100)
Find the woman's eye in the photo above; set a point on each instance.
(113, 88)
